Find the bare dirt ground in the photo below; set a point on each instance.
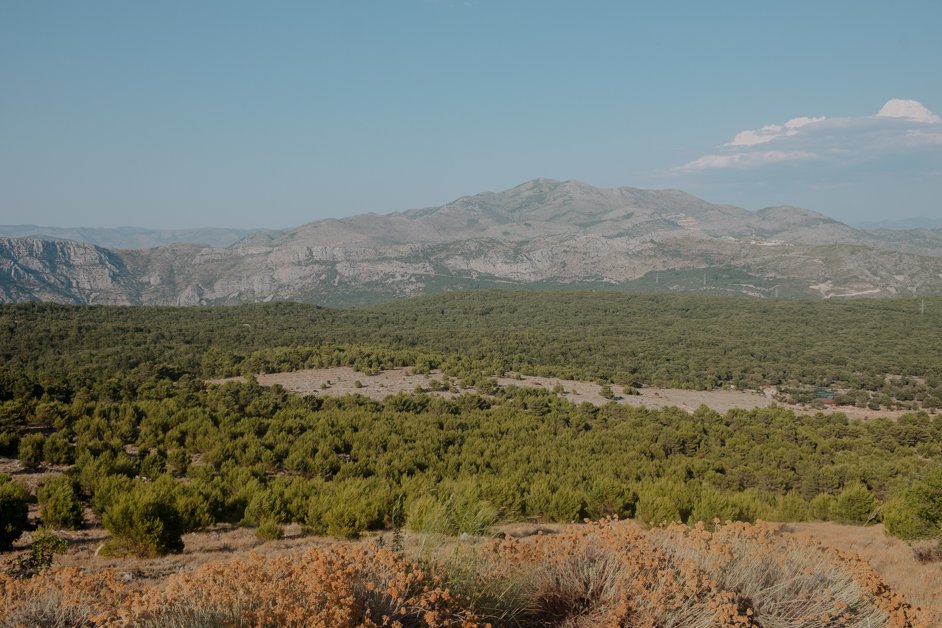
(342, 380)
(217, 543)
(894, 560)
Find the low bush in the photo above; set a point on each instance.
(821, 506)
(9, 443)
(790, 507)
(855, 504)
(57, 449)
(453, 513)
(143, 523)
(14, 510)
(350, 508)
(269, 530)
(665, 501)
(916, 513)
(40, 555)
(59, 504)
(31, 453)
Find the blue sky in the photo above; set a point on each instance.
(273, 114)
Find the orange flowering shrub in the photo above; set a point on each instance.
(608, 573)
(330, 586)
(600, 574)
(339, 585)
(62, 597)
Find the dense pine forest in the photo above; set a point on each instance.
(889, 347)
(119, 395)
(108, 419)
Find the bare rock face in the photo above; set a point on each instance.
(62, 271)
(543, 231)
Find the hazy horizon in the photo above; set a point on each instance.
(244, 116)
(903, 222)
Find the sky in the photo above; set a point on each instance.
(182, 114)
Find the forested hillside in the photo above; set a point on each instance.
(889, 348)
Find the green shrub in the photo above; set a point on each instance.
(197, 504)
(566, 505)
(916, 513)
(58, 449)
(459, 509)
(906, 520)
(665, 501)
(712, 504)
(14, 511)
(59, 505)
(144, 523)
(656, 510)
(427, 514)
(820, 507)
(264, 505)
(855, 504)
(550, 500)
(790, 507)
(9, 443)
(608, 497)
(178, 461)
(31, 450)
(153, 465)
(39, 558)
(108, 490)
(348, 518)
(346, 509)
(269, 530)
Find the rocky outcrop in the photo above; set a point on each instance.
(63, 271)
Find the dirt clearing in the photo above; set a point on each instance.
(344, 380)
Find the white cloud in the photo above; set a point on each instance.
(746, 159)
(900, 127)
(772, 132)
(909, 110)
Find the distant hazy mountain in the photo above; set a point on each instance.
(920, 222)
(540, 233)
(128, 237)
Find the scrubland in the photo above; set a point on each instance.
(109, 427)
(597, 574)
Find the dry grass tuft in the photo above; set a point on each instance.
(927, 551)
(788, 582)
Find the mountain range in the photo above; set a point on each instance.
(128, 237)
(542, 233)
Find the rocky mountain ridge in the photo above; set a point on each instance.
(540, 233)
(129, 237)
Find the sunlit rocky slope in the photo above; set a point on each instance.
(540, 233)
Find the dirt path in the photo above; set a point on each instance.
(344, 380)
